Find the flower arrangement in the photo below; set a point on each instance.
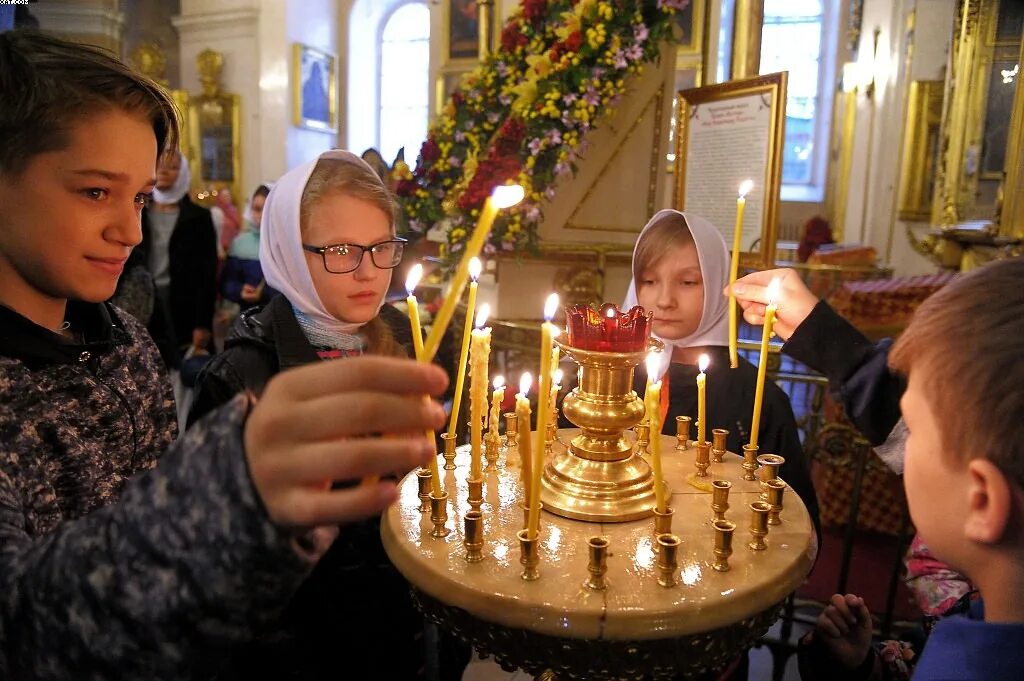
(522, 116)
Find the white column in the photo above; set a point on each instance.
(99, 22)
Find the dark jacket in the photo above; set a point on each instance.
(193, 268)
(122, 555)
(240, 271)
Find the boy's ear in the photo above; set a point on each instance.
(989, 502)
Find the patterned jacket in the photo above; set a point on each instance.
(122, 555)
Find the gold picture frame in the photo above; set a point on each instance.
(462, 33)
(920, 150)
(314, 88)
(688, 29)
(744, 142)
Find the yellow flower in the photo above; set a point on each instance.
(540, 63)
(571, 24)
(526, 93)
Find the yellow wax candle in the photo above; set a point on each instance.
(479, 355)
(502, 197)
(496, 399)
(547, 337)
(475, 267)
(523, 414)
(762, 363)
(702, 404)
(652, 404)
(741, 203)
(411, 282)
(556, 380)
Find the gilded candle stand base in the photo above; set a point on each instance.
(449, 450)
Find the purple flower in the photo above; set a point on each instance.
(455, 162)
(599, 72)
(592, 98)
(640, 32)
(619, 60)
(460, 136)
(533, 213)
(554, 136)
(508, 246)
(549, 193)
(677, 5)
(493, 117)
(534, 145)
(489, 248)
(569, 97)
(562, 168)
(505, 99)
(635, 53)
(439, 193)
(501, 68)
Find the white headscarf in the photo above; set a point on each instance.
(713, 255)
(180, 187)
(281, 255)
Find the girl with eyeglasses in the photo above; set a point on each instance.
(328, 245)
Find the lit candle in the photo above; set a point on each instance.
(741, 203)
(496, 399)
(479, 355)
(523, 418)
(652, 404)
(762, 363)
(502, 197)
(411, 281)
(556, 380)
(475, 267)
(702, 404)
(548, 333)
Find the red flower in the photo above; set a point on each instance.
(574, 42)
(458, 98)
(510, 137)
(430, 152)
(512, 38)
(535, 11)
(489, 174)
(405, 188)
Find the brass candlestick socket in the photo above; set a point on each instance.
(511, 429)
(775, 490)
(423, 477)
(663, 521)
(526, 512)
(529, 556)
(474, 539)
(598, 565)
(491, 454)
(476, 493)
(720, 498)
(749, 464)
(449, 450)
(643, 437)
(549, 432)
(668, 549)
(758, 525)
(439, 514)
(769, 470)
(718, 437)
(703, 459)
(683, 432)
(723, 544)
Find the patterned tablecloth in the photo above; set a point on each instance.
(886, 303)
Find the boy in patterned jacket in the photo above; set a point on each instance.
(125, 554)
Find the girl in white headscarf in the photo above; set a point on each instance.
(680, 266)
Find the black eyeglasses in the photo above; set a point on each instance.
(344, 258)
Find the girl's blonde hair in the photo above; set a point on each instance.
(668, 233)
(354, 178)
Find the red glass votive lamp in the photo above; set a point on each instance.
(608, 329)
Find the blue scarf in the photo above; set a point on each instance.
(320, 336)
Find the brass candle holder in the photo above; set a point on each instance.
(526, 512)
(720, 498)
(723, 544)
(449, 450)
(703, 461)
(770, 464)
(718, 437)
(683, 432)
(491, 454)
(474, 538)
(439, 514)
(529, 556)
(668, 550)
(749, 464)
(663, 521)
(511, 429)
(643, 437)
(476, 493)
(550, 431)
(598, 564)
(776, 488)
(758, 525)
(423, 480)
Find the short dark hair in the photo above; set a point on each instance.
(48, 84)
(967, 337)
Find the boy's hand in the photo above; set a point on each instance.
(250, 293)
(795, 300)
(320, 423)
(844, 628)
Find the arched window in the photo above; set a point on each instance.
(404, 81)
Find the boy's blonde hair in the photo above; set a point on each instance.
(668, 233)
(968, 339)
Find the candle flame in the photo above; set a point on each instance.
(745, 188)
(703, 362)
(482, 313)
(653, 364)
(774, 290)
(556, 377)
(611, 312)
(498, 382)
(550, 306)
(507, 195)
(413, 278)
(525, 381)
(475, 268)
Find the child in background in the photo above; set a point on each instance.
(242, 281)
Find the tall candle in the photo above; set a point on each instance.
(411, 281)
(502, 197)
(479, 355)
(652, 404)
(556, 387)
(496, 399)
(523, 418)
(475, 267)
(548, 333)
(762, 364)
(702, 403)
(741, 202)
